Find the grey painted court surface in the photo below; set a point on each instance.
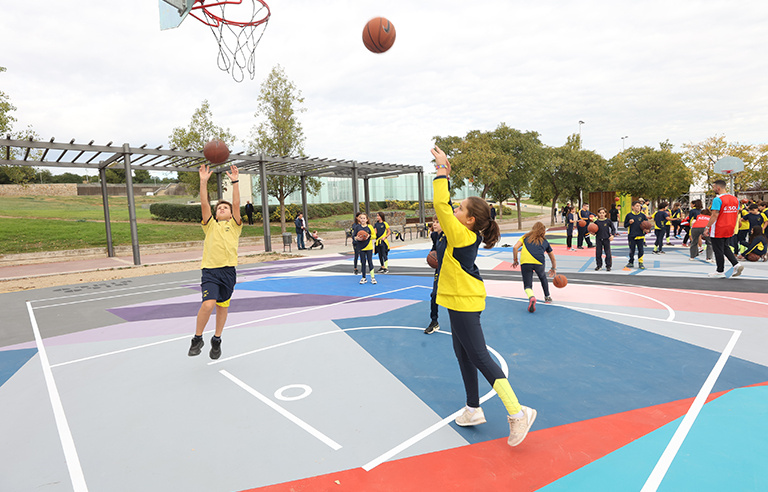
(295, 395)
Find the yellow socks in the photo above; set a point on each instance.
(508, 397)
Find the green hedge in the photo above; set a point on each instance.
(192, 213)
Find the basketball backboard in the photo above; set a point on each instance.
(173, 12)
(729, 165)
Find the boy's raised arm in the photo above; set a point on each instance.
(234, 176)
(205, 205)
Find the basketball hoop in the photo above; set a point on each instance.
(237, 39)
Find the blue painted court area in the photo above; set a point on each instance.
(576, 365)
(706, 460)
(389, 286)
(12, 360)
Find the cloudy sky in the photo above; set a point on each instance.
(650, 70)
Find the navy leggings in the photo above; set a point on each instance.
(472, 354)
(527, 269)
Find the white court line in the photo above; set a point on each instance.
(434, 427)
(65, 434)
(662, 466)
(109, 297)
(250, 322)
(115, 290)
(285, 413)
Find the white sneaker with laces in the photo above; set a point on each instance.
(373, 281)
(468, 419)
(519, 427)
(737, 269)
(363, 280)
(716, 275)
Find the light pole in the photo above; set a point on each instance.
(622, 141)
(580, 123)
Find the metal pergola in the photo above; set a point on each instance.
(101, 157)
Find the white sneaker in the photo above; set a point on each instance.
(710, 260)
(468, 419)
(519, 427)
(737, 269)
(691, 259)
(373, 280)
(716, 275)
(363, 280)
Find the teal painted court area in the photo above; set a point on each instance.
(652, 380)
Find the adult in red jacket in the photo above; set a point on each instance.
(725, 214)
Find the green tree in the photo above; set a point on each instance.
(280, 133)
(650, 173)
(6, 118)
(14, 174)
(201, 130)
(701, 157)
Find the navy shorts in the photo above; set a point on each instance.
(218, 284)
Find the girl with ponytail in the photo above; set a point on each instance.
(460, 289)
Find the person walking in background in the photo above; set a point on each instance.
(301, 227)
(725, 214)
(382, 244)
(249, 212)
(438, 243)
(675, 218)
(533, 245)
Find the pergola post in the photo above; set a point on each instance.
(304, 198)
(105, 205)
(422, 212)
(219, 188)
(367, 195)
(355, 197)
(265, 205)
(131, 204)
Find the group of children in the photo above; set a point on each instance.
(378, 240)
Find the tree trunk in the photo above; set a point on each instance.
(281, 198)
(501, 208)
(554, 213)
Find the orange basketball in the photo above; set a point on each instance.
(216, 152)
(582, 223)
(753, 257)
(378, 35)
(560, 281)
(363, 236)
(432, 259)
(647, 225)
(592, 227)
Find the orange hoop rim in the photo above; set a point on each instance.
(213, 20)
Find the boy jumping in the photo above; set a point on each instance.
(219, 260)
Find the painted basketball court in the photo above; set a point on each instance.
(643, 380)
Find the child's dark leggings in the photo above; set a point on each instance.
(569, 239)
(383, 251)
(660, 233)
(433, 302)
(527, 270)
(472, 354)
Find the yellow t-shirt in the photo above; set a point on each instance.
(221, 241)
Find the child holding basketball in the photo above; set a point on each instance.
(365, 246)
(758, 245)
(219, 260)
(660, 219)
(460, 289)
(355, 246)
(533, 245)
(603, 237)
(635, 234)
(438, 244)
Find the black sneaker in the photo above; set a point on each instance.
(215, 352)
(607, 269)
(630, 265)
(598, 268)
(386, 270)
(196, 347)
(357, 272)
(433, 327)
(381, 270)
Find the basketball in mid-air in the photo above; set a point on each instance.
(592, 227)
(560, 281)
(216, 152)
(378, 35)
(362, 236)
(432, 259)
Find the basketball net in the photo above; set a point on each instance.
(239, 38)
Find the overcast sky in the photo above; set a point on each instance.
(651, 70)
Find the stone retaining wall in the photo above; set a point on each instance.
(53, 189)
